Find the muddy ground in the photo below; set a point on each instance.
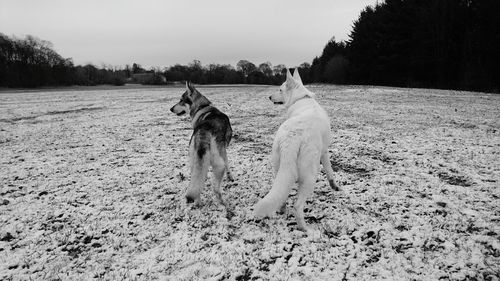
(92, 187)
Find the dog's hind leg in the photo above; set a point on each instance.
(228, 173)
(218, 168)
(226, 164)
(199, 170)
(327, 167)
(306, 188)
(275, 159)
(218, 161)
(275, 163)
(308, 169)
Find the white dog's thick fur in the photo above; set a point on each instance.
(300, 144)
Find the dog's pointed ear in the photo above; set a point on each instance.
(288, 75)
(291, 83)
(296, 75)
(189, 88)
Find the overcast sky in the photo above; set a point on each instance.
(165, 32)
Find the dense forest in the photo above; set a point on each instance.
(451, 44)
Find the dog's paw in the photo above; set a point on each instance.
(229, 214)
(259, 213)
(196, 202)
(334, 185)
(303, 228)
(313, 234)
(282, 209)
(263, 209)
(309, 231)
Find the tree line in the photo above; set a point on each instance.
(245, 72)
(32, 62)
(451, 44)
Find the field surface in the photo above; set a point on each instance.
(92, 186)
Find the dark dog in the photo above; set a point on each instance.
(207, 147)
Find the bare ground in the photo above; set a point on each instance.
(92, 186)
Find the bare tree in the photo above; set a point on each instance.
(246, 67)
(266, 68)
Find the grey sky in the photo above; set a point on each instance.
(163, 33)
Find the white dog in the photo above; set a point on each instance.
(300, 144)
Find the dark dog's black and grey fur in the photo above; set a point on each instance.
(211, 135)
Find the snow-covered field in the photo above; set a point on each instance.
(92, 186)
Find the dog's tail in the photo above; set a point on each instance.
(283, 183)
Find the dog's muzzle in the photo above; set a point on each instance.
(275, 102)
(177, 113)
